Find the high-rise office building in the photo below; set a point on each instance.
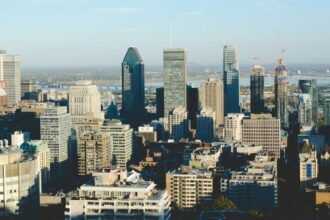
(93, 150)
(231, 79)
(175, 79)
(326, 112)
(84, 98)
(160, 102)
(211, 96)
(281, 96)
(233, 127)
(262, 129)
(55, 129)
(178, 123)
(133, 87)
(257, 89)
(192, 105)
(10, 74)
(121, 142)
(206, 125)
(310, 87)
(305, 116)
(19, 177)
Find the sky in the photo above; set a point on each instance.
(59, 33)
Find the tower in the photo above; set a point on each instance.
(133, 87)
(231, 79)
(257, 89)
(175, 79)
(281, 98)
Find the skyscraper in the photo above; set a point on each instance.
(310, 87)
(281, 98)
(326, 112)
(231, 79)
(55, 129)
(10, 73)
(211, 96)
(175, 79)
(133, 87)
(84, 98)
(257, 89)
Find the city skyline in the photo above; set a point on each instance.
(101, 30)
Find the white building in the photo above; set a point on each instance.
(308, 164)
(189, 188)
(237, 147)
(18, 138)
(55, 129)
(10, 73)
(254, 187)
(178, 123)
(233, 127)
(117, 194)
(19, 178)
(206, 124)
(84, 98)
(121, 142)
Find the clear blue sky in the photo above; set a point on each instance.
(98, 32)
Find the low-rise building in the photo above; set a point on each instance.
(253, 187)
(188, 188)
(117, 194)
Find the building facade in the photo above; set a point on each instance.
(305, 111)
(262, 129)
(55, 129)
(10, 74)
(281, 94)
(93, 150)
(19, 177)
(189, 188)
(121, 142)
(257, 89)
(175, 79)
(117, 194)
(84, 98)
(212, 96)
(206, 121)
(310, 87)
(231, 80)
(133, 87)
(178, 123)
(233, 127)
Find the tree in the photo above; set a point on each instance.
(221, 202)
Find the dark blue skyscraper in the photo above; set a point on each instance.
(257, 89)
(133, 87)
(231, 80)
(309, 86)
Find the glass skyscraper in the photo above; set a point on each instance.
(257, 89)
(175, 79)
(231, 79)
(310, 87)
(133, 87)
(281, 98)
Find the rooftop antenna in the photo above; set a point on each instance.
(171, 33)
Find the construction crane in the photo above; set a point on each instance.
(281, 47)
